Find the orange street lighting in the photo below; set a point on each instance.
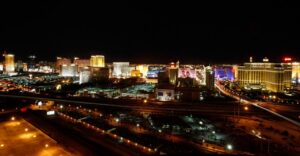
(246, 108)
(46, 145)
(2, 145)
(13, 118)
(145, 100)
(26, 129)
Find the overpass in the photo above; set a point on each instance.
(217, 109)
(256, 104)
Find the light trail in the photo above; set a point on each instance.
(258, 106)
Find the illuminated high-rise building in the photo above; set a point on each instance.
(173, 73)
(121, 69)
(200, 74)
(274, 77)
(68, 70)
(135, 73)
(97, 61)
(295, 69)
(296, 72)
(81, 63)
(143, 70)
(9, 63)
(61, 61)
(25, 67)
(1, 67)
(84, 75)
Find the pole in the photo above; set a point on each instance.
(239, 104)
(268, 146)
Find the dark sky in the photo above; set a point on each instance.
(152, 32)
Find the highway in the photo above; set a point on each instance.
(257, 104)
(74, 138)
(214, 109)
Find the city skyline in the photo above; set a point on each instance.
(149, 78)
(72, 58)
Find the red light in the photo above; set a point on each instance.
(24, 109)
(287, 59)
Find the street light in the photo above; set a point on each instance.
(13, 118)
(246, 108)
(229, 147)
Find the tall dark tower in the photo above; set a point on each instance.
(31, 61)
(297, 79)
(210, 77)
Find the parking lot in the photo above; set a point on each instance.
(18, 137)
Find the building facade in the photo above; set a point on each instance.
(210, 77)
(99, 73)
(295, 72)
(68, 70)
(143, 68)
(121, 70)
(61, 61)
(274, 77)
(81, 63)
(84, 75)
(97, 61)
(9, 63)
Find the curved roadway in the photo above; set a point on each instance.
(258, 106)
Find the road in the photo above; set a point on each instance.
(73, 138)
(209, 108)
(257, 104)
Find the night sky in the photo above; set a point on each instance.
(151, 32)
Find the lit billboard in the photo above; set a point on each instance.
(200, 75)
(186, 72)
(154, 70)
(225, 73)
